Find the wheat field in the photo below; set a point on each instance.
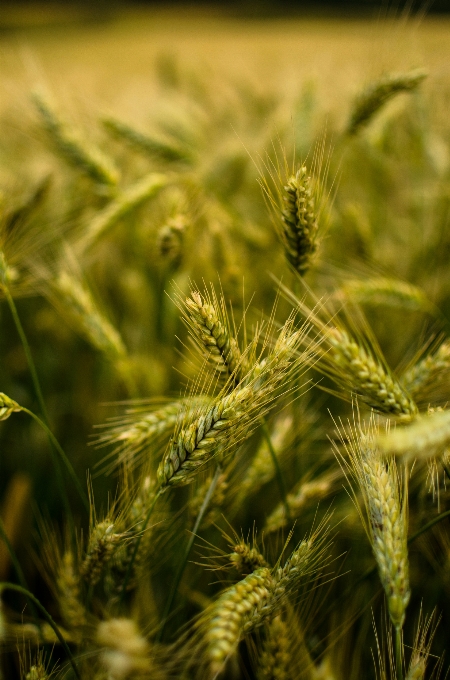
(225, 347)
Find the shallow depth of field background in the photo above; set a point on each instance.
(242, 87)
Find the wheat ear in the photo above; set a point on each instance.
(70, 146)
(384, 291)
(142, 142)
(246, 605)
(427, 436)
(275, 660)
(376, 95)
(387, 516)
(354, 367)
(207, 320)
(130, 199)
(125, 651)
(306, 493)
(78, 303)
(299, 221)
(230, 418)
(428, 373)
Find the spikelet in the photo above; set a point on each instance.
(134, 523)
(129, 199)
(8, 406)
(429, 373)
(421, 648)
(78, 303)
(134, 434)
(37, 672)
(355, 368)
(69, 145)
(384, 291)
(246, 558)
(102, 544)
(374, 97)
(126, 652)
(166, 150)
(245, 606)
(299, 221)
(230, 417)
(306, 493)
(68, 587)
(387, 516)
(207, 320)
(276, 660)
(427, 436)
(239, 610)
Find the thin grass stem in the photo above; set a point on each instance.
(184, 560)
(278, 473)
(398, 653)
(48, 618)
(18, 569)
(65, 460)
(27, 350)
(136, 547)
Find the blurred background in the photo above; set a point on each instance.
(223, 84)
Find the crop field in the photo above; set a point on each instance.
(225, 346)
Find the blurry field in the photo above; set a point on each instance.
(112, 63)
(152, 197)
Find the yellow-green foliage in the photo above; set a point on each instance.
(195, 288)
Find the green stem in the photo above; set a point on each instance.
(427, 526)
(278, 473)
(50, 621)
(446, 470)
(136, 546)
(398, 653)
(187, 552)
(62, 455)
(18, 568)
(27, 350)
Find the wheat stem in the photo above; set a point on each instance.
(27, 350)
(42, 609)
(398, 653)
(187, 552)
(278, 473)
(65, 460)
(137, 544)
(18, 569)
